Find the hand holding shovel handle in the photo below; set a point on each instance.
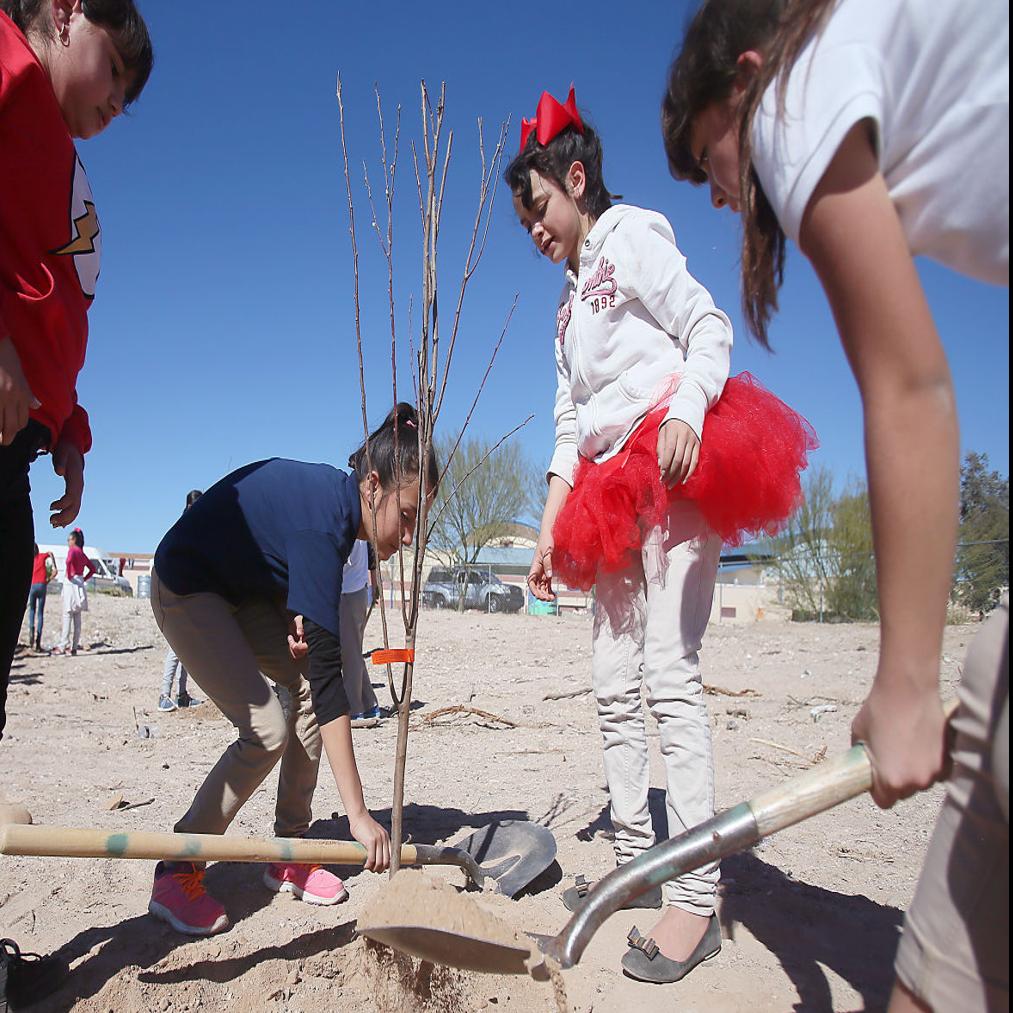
(84, 842)
(505, 854)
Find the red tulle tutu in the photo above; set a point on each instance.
(746, 483)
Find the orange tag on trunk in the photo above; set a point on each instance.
(393, 656)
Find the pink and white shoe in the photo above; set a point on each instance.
(310, 883)
(179, 898)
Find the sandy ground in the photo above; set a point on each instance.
(810, 917)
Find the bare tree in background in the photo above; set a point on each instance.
(432, 351)
(824, 555)
(483, 494)
(802, 549)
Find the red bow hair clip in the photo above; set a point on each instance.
(551, 118)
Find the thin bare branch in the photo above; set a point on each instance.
(418, 181)
(358, 342)
(411, 350)
(481, 386)
(492, 450)
(485, 189)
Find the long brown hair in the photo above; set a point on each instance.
(703, 73)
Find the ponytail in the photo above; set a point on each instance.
(393, 452)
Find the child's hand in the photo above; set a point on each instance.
(297, 645)
(904, 731)
(374, 839)
(678, 451)
(69, 465)
(16, 398)
(540, 574)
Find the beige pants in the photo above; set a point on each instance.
(954, 954)
(354, 674)
(231, 652)
(648, 626)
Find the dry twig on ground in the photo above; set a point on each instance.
(459, 709)
(570, 694)
(721, 691)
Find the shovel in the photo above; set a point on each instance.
(507, 854)
(736, 829)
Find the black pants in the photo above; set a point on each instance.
(17, 544)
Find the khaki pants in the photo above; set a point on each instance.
(648, 626)
(954, 954)
(354, 674)
(231, 652)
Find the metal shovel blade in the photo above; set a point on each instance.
(512, 852)
(452, 949)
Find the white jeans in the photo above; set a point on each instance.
(648, 626)
(71, 624)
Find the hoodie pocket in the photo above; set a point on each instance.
(631, 390)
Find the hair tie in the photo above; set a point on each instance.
(551, 118)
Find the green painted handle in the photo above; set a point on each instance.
(82, 842)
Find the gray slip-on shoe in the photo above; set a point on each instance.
(645, 962)
(574, 897)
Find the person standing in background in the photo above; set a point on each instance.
(357, 591)
(172, 664)
(79, 570)
(43, 571)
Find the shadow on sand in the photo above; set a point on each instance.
(808, 928)
(142, 941)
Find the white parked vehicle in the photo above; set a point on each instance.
(106, 569)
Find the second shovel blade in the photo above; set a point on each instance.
(512, 852)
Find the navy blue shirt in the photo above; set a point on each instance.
(279, 529)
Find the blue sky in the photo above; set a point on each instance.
(223, 329)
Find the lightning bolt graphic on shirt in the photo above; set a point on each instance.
(87, 229)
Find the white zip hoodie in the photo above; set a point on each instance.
(628, 321)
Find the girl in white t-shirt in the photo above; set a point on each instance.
(642, 491)
(869, 132)
(358, 585)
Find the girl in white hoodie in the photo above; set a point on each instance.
(637, 504)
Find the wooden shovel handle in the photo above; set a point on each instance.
(82, 842)
(832, 782)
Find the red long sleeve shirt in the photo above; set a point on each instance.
(50, 242)
(78, 564)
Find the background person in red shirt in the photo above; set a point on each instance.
(43, 571)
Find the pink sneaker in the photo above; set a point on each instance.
(310, 883)
(179, 898)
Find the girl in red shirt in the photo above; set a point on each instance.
(43, 571)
